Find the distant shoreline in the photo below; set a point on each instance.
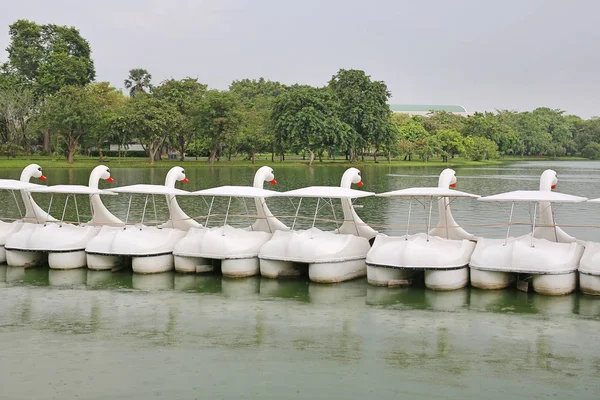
(142, 162)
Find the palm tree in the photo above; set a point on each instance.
(138, 81)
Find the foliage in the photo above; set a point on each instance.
(46, 58)
(217, 118)
(138, 81)
(148, 119)
(71, 114)
(450, 143)
(306, 119)
(479, 148)
(591, 151)
(184, 94)
(364, 107)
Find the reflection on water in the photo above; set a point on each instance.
(409, 341)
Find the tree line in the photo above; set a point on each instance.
(51, 104)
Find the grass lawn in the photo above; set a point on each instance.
(142, 162)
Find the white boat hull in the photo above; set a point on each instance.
(444, 280)
(16, 258)
(98, 262)
(393, 259)
(589, 284)
(589, 269)
(149, 248)
(64, 243)
(7, 229)
(381, 276)
(331, 257)
(553, 265)
(275, 269)
(491, 280)
(236, 248)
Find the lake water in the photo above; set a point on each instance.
(102, 335)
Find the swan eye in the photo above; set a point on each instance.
(40, 169)
(183, 171)
(108, 170)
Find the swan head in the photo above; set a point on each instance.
(103, 173)
(352, 176)
(548, 180)
(266, 174)
(180, 174)
(447, 178)
(32, 171)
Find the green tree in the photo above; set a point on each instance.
(364, 107)
(217, 119)
(438, 120)
(248, 90)
(478, 148)
(413, 132)
(48, 57)
(306, 119)
(450, 143)
(184, 94)
(110, 102)
(70, 115)
(138, 81)
(148, 119)
(591, 151)
(257, 97)
(255, 135)
(17, 107)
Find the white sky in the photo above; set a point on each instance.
(481, 54)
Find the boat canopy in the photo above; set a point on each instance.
(150, 189)
(69, 189)
(426, 192)
(236, 191)
(331, 192)
(534, 196)
(13, 184)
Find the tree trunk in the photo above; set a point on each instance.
(70, 156)
(253, 156)
(311, 158)
(47, 140)
(181, 148)
(213, 154)
(272, 156)
(100, 154)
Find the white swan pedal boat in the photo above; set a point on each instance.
(589, 266)
(33, 213)
(63, 243)
(236, 248)
(443, 252)
(548, 254)
(330, 256)
(149, 247)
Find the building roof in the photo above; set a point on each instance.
(408, 108)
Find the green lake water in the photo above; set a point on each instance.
(102, 335)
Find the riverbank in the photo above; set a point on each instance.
(142, 162)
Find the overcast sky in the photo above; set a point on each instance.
(484, 55)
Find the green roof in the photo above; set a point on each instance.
(426, 107)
